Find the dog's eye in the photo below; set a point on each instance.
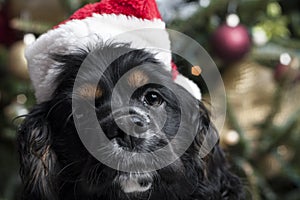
(152, 98)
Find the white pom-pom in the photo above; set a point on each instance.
(189, 85)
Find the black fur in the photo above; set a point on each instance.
(56, 165)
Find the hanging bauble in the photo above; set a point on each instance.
(287, 68)
(280, 72)
(231, 41)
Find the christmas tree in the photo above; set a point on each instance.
(255, 45)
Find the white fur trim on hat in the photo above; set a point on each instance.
(189, 85)
(77, 34)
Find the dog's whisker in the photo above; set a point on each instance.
(97, 174)
(75, 186)
(56, 104)
(150, 193)
(67, 166)
(68, 118)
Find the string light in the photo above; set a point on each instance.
(232, 20)
(232, 137)
(259, 36)
(21, 99)
(29, 38)
(196, 70)
(204, 3)
(285, 59)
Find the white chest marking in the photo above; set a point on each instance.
(132, 185)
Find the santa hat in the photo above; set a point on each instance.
(107, 20)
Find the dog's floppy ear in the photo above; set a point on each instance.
(216, 169)
(37, 159)
(230, 185)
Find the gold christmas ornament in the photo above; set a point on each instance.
(249, 88)
(270, 165)
(17, 61)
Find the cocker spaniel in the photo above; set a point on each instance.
(58, 163)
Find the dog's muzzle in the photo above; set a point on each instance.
(130, 126)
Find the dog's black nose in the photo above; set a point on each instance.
(134, 130)
(131, 127)
(140, 124)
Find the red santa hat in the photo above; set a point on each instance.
(107, 20)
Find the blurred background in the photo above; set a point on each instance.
(256, 46)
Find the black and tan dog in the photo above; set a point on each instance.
(55, 164)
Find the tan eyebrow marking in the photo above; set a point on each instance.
(90, 91)
(137, 79)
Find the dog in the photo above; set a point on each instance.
(56, 164)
